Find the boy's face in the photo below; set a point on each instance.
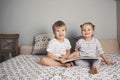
(60, 32)
(87, 31)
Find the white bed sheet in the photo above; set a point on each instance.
(27, 67)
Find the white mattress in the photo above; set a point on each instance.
(27, 67)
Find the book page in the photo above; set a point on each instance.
(81, 57)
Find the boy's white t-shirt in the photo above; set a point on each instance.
(89, 48)
(58, 48)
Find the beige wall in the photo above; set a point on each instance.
(32, 17)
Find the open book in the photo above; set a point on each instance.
(81, 57)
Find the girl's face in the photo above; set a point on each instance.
(60, 33)
(87, 31)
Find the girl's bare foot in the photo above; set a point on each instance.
(93, 70)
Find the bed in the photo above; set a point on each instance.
(27, 67)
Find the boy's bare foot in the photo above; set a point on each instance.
(93, 70)
(69, 64)
(72, 64)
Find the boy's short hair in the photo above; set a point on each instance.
(88, 23)
(58, 23)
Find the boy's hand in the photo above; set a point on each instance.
(61, 60)
(64, 56)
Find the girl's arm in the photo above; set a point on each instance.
(74, 54)
(103, 55)
(67, 52)
(106, 59)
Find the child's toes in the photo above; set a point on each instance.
(72, 64)
(93, 70)
(68, 65)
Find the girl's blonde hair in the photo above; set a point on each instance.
(88, 23)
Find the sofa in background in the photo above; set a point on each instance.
(109, 46)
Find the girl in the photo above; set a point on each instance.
(87, 46)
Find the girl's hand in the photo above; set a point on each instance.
(110, 63)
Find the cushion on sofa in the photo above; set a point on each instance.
(41, 42)
(73, 42)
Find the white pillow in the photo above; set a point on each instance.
(41, 42)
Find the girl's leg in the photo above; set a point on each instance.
(95, 65)
(82, 63)
(50, 62)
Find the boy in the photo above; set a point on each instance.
(58, 48)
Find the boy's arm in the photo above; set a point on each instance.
(66, 55)
(106, 59)
(67, 52)
(50, 55)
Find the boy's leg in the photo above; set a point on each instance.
(50, 62)
(95, 66)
